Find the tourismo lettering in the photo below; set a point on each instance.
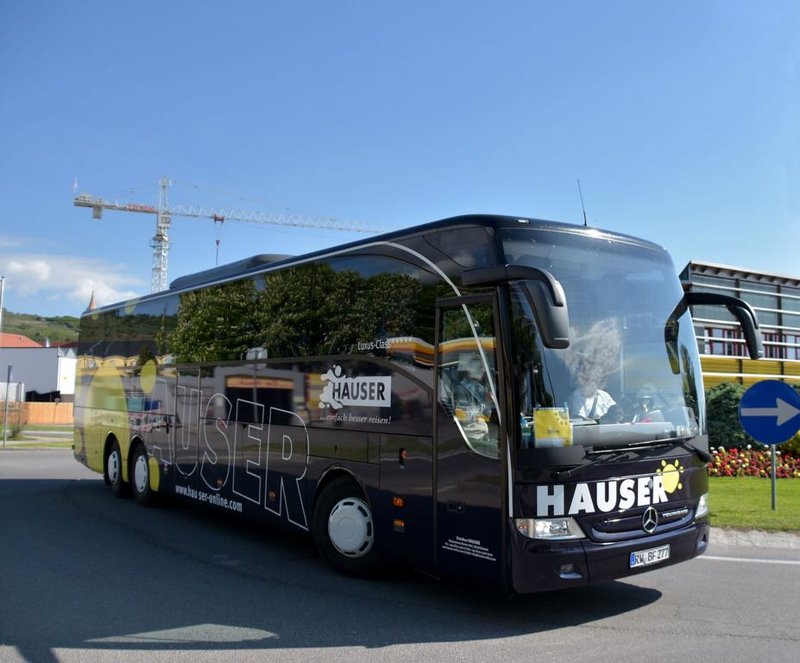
(603, 496)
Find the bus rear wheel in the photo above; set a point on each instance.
(140, 477)
(343, 529)
(113, 471)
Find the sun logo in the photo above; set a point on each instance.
(671, 475)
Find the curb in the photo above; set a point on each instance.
(755, 538)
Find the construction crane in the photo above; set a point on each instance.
(164, 214)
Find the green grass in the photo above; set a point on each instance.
(38, 444)
(27, 438)
(746, 503)
(47, 427)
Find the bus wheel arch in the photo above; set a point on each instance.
(139, 473)
(343, 527)
(113, 464)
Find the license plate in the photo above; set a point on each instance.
(651, 556)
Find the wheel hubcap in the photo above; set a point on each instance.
(112, 467)
(140, 473)
(350, 527)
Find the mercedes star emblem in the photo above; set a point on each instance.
(650, 520)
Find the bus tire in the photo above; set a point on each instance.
(343, 529)
(113, 471)
(140, 477)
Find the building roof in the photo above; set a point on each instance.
(17, 341)
(729, 271)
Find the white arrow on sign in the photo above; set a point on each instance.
(782, 411)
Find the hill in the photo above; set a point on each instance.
(60, 329)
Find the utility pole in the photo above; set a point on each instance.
(5, 415)
(2, 291)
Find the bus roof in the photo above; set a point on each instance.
(256, 263)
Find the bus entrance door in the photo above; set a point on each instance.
(469, 470)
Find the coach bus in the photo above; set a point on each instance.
(509, 401)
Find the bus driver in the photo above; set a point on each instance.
(588, 400)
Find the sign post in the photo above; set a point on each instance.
(770, 413)
(5, 416)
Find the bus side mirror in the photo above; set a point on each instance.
(741, 310)
(543, 291)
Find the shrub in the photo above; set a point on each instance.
(791, 447)
(722, 408)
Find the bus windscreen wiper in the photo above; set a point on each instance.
(686, 444)
(566, 474)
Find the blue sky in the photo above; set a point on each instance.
(681, 119)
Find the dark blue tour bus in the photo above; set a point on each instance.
(506, 400)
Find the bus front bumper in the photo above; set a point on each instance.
(546, 565)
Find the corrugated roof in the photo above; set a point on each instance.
(701, 266)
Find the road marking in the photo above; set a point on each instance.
(752, 560)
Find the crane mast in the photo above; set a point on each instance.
(160, 242)
(164, 214)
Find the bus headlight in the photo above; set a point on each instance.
(552, 529)
(702, 506)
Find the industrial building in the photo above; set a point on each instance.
(776, 301)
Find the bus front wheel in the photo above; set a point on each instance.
(343, 529)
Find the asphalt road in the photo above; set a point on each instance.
(87, 577)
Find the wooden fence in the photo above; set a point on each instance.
(37, 414)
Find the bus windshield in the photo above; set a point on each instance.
(631, 373)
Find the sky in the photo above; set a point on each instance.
(680, 119)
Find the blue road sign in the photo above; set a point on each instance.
(770, 411)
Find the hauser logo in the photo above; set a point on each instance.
(607, 496)
(341, 390)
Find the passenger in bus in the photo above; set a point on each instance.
(644, 404)
(472, 389)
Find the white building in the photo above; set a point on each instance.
(43, 370)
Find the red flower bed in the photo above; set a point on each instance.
(752, 462)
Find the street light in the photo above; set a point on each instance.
(5, 418)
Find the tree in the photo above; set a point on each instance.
(215, 324)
